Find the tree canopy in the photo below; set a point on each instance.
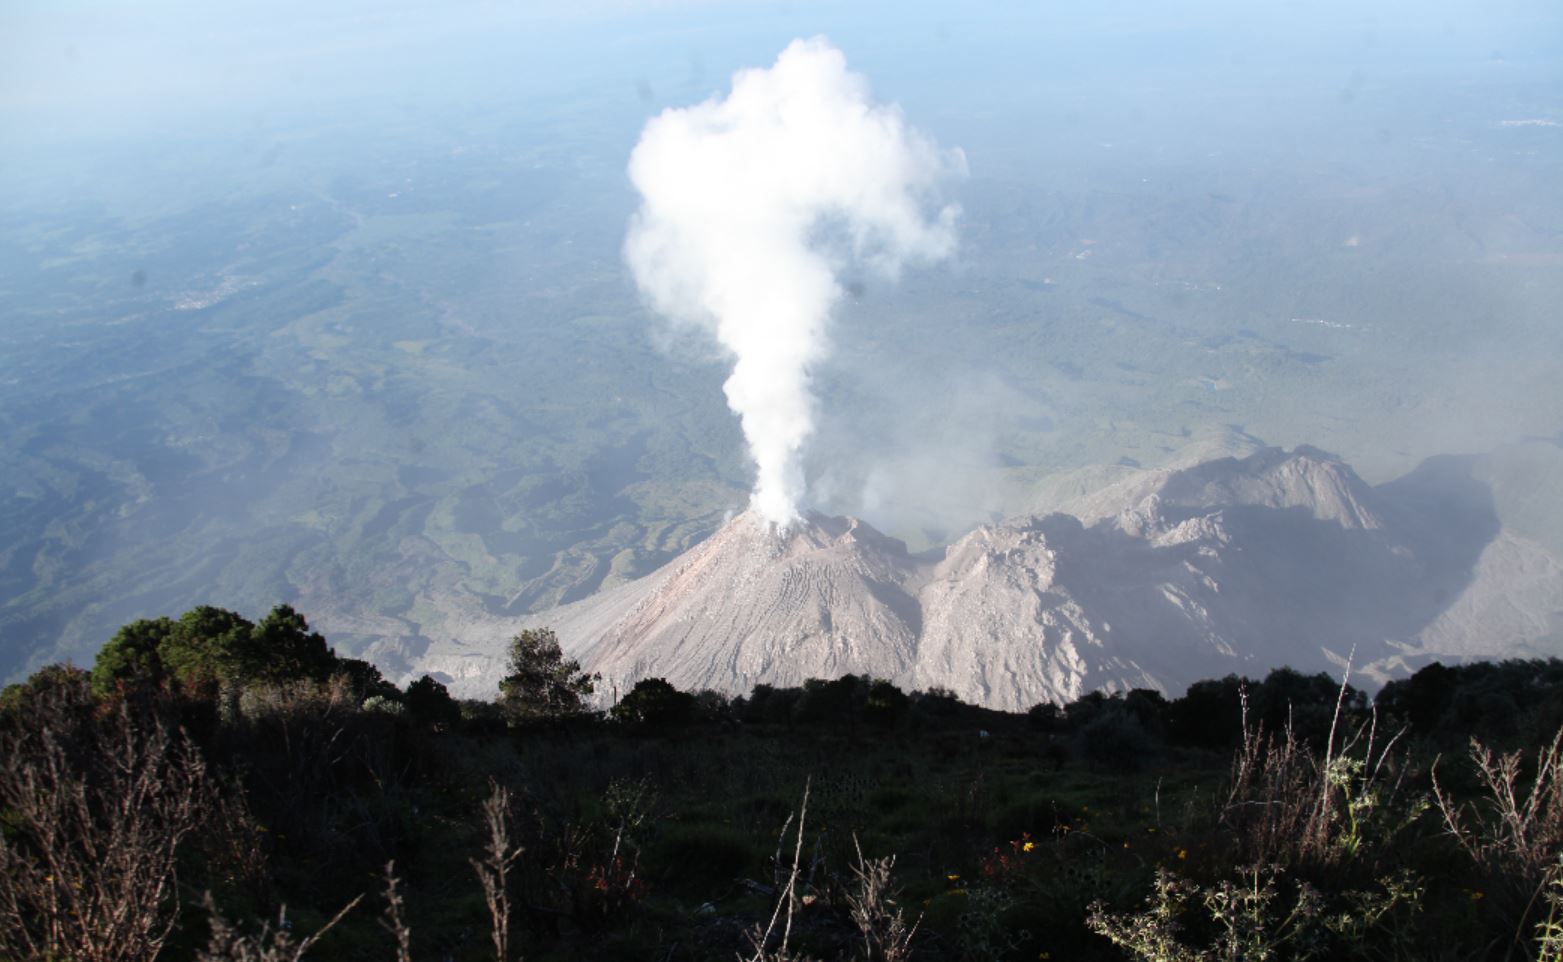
(540, 682)
(213, 645)
(654, 703)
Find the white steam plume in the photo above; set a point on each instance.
(750, 205)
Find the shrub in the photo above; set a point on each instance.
(95, 820)
(1242, 920)
(429, 701)
(1114, 738)
(1209, 715)
(331, 780)
(481, 717)
(1549, 931)
(1257, 915)
(1515, 830)
(886, 704)
(709, 857)
(59, 695)
(1288, 804)
(273, 943)
(364, 679)
(654, 704)
(827, 702)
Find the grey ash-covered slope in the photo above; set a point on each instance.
(1233, 565)
(826, 597)
(746, 605)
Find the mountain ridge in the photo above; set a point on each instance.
(1236, 564)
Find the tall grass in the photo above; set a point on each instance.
(1289, 803)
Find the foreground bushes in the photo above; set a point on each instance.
(168, 814)
(98, 802)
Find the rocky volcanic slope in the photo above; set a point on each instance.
(828, 597)
(1234, 565)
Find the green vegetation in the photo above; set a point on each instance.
(212, 646)
(540, 683)
(221, 790)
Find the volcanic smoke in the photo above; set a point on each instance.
(751, 207)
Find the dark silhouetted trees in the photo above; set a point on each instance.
(654, 704)
(886, 704)
(429, 701)
(1502, 703)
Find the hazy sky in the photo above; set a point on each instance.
(156, 105)
(103, 64)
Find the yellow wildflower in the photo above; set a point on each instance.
(1477, 896)
(1028, 846)
(1183, 853)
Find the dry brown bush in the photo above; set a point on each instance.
(880, 920)
(273, 943)
(499, 856)
(395, 921)
(1290, 804)
(96, 815)
(1517, 826)
(1513, 833)
(789, 900)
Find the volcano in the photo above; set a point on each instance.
(1232, 565)
(824, 597)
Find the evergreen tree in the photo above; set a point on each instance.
(541, 682)
(132, 657)
(206, 645)
(429, 701)
(654, 703)
(282, 648)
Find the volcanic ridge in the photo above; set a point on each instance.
(1231, 565)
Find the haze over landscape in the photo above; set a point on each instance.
(1097, 347)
